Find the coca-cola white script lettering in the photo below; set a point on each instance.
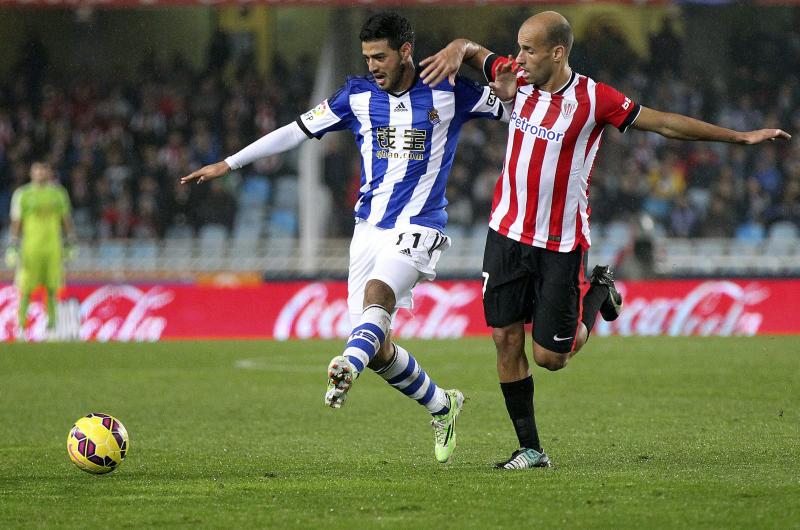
(439, 313)
(711, 308)
(111, 312)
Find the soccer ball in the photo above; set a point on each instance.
(97, 443)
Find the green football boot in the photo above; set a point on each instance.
(444, 427)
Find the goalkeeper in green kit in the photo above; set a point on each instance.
(39, 210)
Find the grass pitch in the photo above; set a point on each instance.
(644, 433)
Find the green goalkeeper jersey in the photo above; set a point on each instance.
(41, 210)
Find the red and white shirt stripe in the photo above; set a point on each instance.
(542, 195)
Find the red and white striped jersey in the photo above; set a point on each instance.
(542, 195)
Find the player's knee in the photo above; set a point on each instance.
(379, 293)
(549, 359)
(581, 337)
(510, 345)
(509, 339)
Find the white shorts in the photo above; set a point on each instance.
(401, 257)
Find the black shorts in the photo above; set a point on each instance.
(523, 283)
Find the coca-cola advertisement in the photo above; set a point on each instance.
(443, 309)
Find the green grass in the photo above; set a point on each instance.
(645, 433)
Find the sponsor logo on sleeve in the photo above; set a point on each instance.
(317, 112)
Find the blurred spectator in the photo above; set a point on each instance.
(32, 62)
(118, 219)
(667, 180)
(217, 207)
(218, 51)
(766, 171)
(459, 209)
(756, 202)
(683, 218)
(788, 209)
(720, 219)
(665, 50)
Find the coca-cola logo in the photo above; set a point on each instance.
(439, 312)
(711, 308)
(113, 312)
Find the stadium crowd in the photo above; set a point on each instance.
(120, 147)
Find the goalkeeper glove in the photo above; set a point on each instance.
(71, 249)
(12, 256)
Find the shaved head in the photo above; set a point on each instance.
(553, 27)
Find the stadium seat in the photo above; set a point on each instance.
(779, 248)
(751, 231)
(254, 192)
(84, 227)
(597, 230)
(213, 238)
(783, 231)
(179, 232)
(111, 249)
(178, 248)
(282, 224)
(143, 249)
(743, 248)
(143, 255)
(457, 232)
(678, 248)
(710, 247)
(243, 247)
(248, 231)
(618, 232)
(286, 193)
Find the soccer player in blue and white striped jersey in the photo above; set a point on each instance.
(406, 132)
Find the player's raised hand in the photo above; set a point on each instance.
(11, 256)
(505, 80)
(763, 135)
(443, 64)
(71, 249)
(205, 173)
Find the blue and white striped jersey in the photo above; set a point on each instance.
(407, 143)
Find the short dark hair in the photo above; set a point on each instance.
(560, 34)
(388, 25)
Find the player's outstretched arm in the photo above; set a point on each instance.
(280, 140)
(680, 127)
(209, 172)
(446, 62)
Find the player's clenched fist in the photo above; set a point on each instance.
(209, 172)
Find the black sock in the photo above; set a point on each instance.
(595, 296)
(519, 403)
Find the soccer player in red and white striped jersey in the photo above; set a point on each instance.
(539, 225)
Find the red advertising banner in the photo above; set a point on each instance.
(443, 309)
